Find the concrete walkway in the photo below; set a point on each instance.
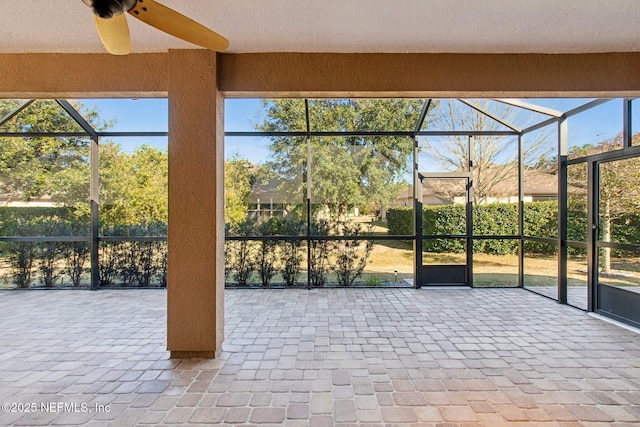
(324, 357)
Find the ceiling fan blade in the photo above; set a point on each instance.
(114, 33)
(178, 25)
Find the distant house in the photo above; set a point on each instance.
(538, 186)
(267, 199)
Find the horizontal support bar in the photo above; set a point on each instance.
(550, 240)
(132, 239)
(622, 246)
(445, 236)
(295, 134)
(505, 237)
(575, 244)
(346, 133)
(47, 239)
(373, 237)
(621, 154)
(474, 237)
(79, 134)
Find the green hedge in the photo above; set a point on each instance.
(502, 219)
(11, 217)
(400, 221)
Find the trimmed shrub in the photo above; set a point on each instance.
(541, 220)
(291, 253)
(400, 221)
(349, 257)
(319, 262)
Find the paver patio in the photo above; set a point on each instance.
(322, 357)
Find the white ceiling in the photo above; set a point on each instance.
(463, 26)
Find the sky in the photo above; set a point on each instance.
(131, 115)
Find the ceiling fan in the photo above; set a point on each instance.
(114, 31)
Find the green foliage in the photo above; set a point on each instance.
(14, 219)
(241, 254)
(291, 252)
(346, 172)
(346, 258)
(498, 219)
(133, 187)
(135, 263)
(50, 259)
(33, 166)
(108, 264)
(349, 257)
(541, 219)
(267, 259)
(502, 219)
(133, 190)
(373, 281)
(237, 186)
(400, 221)
(319, 262)
(50, 252)
(22, 256)
(76, 255)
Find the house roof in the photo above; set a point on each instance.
(444, 26)
(537, 183)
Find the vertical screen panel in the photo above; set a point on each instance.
(495, 263)
(577, 278)
(597, 130)
(635, 122)
(619, 201)
(540, 182)
(541, 268)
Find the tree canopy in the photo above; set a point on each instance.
(346, 171)
(32, 166)
(238, 178)
(133, 185)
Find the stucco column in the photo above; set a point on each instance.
(195, 275)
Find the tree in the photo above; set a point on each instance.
(619, 192)
(149, 195)
(495, 158)
(349, 171)
(57, 166)
(133, 187)
(238, 179)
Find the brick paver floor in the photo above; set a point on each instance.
(318, 358)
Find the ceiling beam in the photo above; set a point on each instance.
(55, 75)
(66, 75)
(429, 75)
